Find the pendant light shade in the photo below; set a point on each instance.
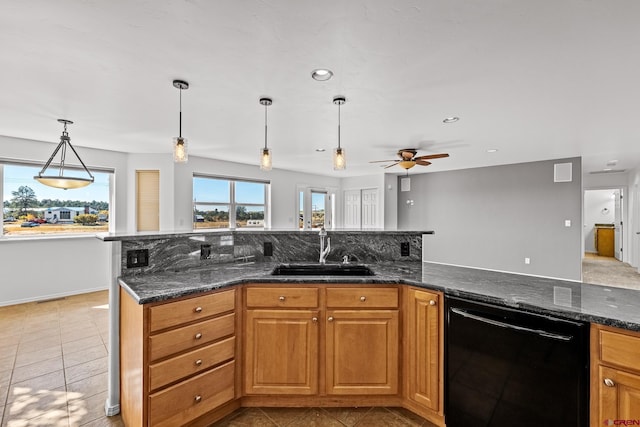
(180, 152)
(339, 156)
(265, 153)
(60, 180)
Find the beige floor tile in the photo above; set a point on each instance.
(81, 344)
(40, 334)
(104, 421)
(28, 357)
(86, 355)
(87, 387)
(55, 417)
(36, 369)
(86, 370)
(87, 410)
(6, 363)
(42, 344)
(38, 404)
(43, 383)
(9, 350)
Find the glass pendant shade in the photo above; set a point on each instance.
(60, 180)
(339, 159)
(265, 159)
(180, 153)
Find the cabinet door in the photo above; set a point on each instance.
(281, 352)
(423, 348)
(362, 352)
(619, 395)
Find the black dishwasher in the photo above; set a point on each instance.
(505, 368)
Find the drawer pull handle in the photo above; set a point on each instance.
(281, 298)
(609, 382)
(330, 319)
(198, 362)
(432, 302)
(198, 309)
(198, 336)
(198, 398)
(363, 299)
(314, 319)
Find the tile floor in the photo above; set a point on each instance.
(53, 372)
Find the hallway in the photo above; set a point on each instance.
(609, 271)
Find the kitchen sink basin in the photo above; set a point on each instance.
(322, 270)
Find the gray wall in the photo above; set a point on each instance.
(494, 217)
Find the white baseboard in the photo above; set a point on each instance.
(53, 296)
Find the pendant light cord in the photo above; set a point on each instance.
(339, 125)
(180, 125)
(265, 126)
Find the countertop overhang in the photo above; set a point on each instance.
(610, 306)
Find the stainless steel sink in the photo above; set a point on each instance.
(322, 270)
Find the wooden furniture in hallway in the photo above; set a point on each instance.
(604, 239)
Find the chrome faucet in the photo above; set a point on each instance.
(324, 252)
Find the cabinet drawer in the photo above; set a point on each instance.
(168, 371)
(620, 349)
(185, 401)
(282, 297)
(190, 336)
(362, 297)
(175, 313)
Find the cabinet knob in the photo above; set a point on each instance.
(314, 319)
(198, 362)
(330, 319)
(198, 336)
(197, 309)
(198, 398)
(432, 302)
(363, 299)
(281, 298)
(609, 382)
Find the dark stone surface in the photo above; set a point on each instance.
(571, 300)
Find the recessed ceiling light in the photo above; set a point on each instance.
(451, 120)
(320, 150)
(321, 74)
(612, 162)
(492, 150)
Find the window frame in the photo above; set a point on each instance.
(232, 203)
(57, 235)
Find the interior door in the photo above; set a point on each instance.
(370, 208)
(352, 213)
(617, 236)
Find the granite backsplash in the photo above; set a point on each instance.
(178, 253)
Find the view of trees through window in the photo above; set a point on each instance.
(226, 203)
(32, 208)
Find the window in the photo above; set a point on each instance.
(315, 207)
(30, 208)
(229, 203)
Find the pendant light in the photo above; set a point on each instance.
(339, 159)
(180, 153)
(265, 153)
(60, 180)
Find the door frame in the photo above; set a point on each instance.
(624, 232)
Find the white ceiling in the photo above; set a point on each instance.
(536, 79)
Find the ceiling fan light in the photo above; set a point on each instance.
(407, 164)
(339, 159)
(180, 152)
(265, 159)
(66, 183)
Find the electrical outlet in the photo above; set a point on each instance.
(137, 258)
(205, 251)
(267, 249)
(405, 249)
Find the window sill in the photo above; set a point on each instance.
(40, 237)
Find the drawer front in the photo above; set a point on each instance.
(185, 401)
(282, 297)
(179, 312)
(191, 336)
(168, 371)
(362, 297)
(620, 349)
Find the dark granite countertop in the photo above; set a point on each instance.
(572, 300)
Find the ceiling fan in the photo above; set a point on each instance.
(408, 159)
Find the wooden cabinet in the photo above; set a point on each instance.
(362, 339)
(352, 331)
(605, 241)
(423, 357)
(177, 359)
(615, 375)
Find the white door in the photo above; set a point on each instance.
(370, 208)
(617, 236)
(352, 209)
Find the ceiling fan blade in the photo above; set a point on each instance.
(422, 163)
(432, 156)
(382, 161)
(387, 167)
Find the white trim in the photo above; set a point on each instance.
(502, 271)
(53, 296)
